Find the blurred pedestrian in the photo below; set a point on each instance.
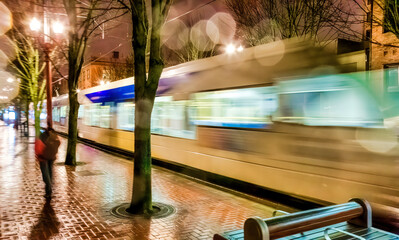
(46, 148)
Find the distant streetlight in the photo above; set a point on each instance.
(35, 24)
(231, 48)
(47, 44)
(58, 27)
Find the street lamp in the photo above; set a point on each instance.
(231, 48)
(47, 45)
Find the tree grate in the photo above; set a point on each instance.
(160, 210)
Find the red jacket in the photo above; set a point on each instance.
(46, 147)
(39, 149)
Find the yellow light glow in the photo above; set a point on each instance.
(35, 24)
(58, 27)
(230, 49)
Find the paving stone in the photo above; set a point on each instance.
(84, 195)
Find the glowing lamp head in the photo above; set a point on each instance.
(10, 80)
(240, 48)
(102, 82)
(230, 49)
(58, 27)
(35, 24)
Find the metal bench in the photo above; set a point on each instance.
(350, 220)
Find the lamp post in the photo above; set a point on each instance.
(47, 46)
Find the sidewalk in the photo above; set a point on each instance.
(84, 195)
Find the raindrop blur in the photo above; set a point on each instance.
(7, 46)
(175, 34)
(376, 140)
(35, 24)
(276, 48)
(5, 19)
(3, 59)
(199, 36)
(58, 27)
(230, 48)
(9, 87)
(225, 25)
(213, 32)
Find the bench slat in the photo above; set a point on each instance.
(231, 235)
(318, 234)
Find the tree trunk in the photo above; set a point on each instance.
(144, 93)
(37, 122)
(27, 116)
(142, 195)
(72, 128)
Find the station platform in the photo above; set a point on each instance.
(83, 197)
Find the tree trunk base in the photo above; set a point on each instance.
(160, 210)
(70, 160)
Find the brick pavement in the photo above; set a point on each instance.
(84, 195)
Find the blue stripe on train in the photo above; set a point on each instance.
(230, 124)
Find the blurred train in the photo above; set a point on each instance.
(276, 116)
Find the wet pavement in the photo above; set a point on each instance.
(85, 194)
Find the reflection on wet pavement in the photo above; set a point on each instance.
(83, 196)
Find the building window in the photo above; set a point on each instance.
(368, 34)
(368, 17)
(392, 77)
(115, 54)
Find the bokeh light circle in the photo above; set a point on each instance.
(5, 19)
(377, 140)
(9, 87)
(225, 25)
(7, 46)
(213, 32)
(199, 36)
(276, 50)
(3, 60)
(175, 34)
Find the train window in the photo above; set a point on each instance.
(105, 115)
(392, 77)
(87, 116)
(95, 114)
(63, 111)
(326, 101)
(80, 111)
(125, 116)
(56, 114)
(245, 108)
(172, 118)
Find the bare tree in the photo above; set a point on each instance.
(187, 40)
(379, 13)
(120, 70)
(391, 16)
(145, 89)
(84, 18)
(262, 21)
